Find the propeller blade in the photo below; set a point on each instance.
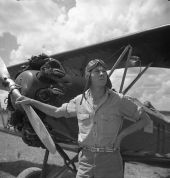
(34, 119)
(3, 75)
(3, 70)
(40, 128)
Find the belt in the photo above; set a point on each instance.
(98, 149)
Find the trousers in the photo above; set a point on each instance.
(100, 164)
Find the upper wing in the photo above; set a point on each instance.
(151, 46)
(14, 69)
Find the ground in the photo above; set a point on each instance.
(15, 156)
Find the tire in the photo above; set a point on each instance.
(32, 172)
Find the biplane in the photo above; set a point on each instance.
(57, 78)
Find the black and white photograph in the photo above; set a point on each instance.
(85, 89)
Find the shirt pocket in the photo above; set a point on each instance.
(110, 124)
(107, 124)
(84, 122)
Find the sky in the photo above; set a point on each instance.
(32, 27)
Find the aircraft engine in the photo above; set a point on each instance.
(41, 80)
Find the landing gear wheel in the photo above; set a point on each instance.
(32, 172)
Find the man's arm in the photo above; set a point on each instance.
(141, 123)
(46, 108)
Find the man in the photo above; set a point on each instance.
(100, 113)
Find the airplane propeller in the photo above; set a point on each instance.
(8, 84)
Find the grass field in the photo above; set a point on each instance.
(15, 156)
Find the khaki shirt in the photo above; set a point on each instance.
(98, 127)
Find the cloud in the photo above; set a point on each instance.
(153, 86)
(7, 44)
(58, 25)
(46, 26)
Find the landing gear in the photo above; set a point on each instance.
(32, 172)
(69, 165)
(35, 172)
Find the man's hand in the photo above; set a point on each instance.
(24, 100)
(117, 143)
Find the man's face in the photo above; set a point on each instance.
(99, 76)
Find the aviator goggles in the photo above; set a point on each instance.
(92, 64)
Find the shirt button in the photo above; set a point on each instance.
(94, 133)
(95, 122)
(93, 115)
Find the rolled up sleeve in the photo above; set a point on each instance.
(70, 108)
(129, 109)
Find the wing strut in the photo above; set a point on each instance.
(119, 60)
(125, 70)
(136, 79)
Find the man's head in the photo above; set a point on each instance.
(96, 74)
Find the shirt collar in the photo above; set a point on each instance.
(102, 101)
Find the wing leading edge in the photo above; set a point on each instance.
(151, 46)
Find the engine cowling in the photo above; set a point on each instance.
(45, 85)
